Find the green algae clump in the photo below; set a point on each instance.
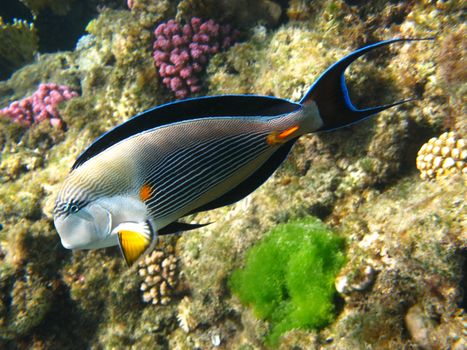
(289, 276)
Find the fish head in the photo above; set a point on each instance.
(83, 228)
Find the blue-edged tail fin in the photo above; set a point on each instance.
(332, 97)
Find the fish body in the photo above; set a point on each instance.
(171, 170)
(134, 182)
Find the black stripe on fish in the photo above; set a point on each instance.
(201, 107)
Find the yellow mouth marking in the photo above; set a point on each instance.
(275, 137)
(145, 192)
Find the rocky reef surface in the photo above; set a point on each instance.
(401, 285)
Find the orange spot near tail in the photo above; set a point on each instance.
(145, 192)
(275, 138)
(287, 132)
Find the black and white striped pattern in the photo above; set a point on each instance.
(90, 182)
(183, 177)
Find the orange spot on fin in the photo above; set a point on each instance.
(275, 137)
(145, 192)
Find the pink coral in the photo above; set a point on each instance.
(181, 52)
(41, 105)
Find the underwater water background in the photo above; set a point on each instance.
(391, 189)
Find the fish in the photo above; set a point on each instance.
(135, 182)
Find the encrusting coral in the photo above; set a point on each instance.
(443, 155)
(159, 271)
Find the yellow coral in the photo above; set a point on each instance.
(299, 10)
(441, 156)
(159, 272)
(18, 44)
(185, 317)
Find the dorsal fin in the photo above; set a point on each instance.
(201, 107)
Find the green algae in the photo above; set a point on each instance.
(288, 277)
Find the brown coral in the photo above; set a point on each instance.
(444, 155)
(452, 57)
(159, 270)
(241, 13)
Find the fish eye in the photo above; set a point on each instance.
(73, 208)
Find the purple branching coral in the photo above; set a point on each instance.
(181, 52)
(41, 105)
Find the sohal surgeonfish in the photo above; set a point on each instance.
(134, 182)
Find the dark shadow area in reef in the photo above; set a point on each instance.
(56, 32)
(59, 33)
(463, 282)
(11, 9)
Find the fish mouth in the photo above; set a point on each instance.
(66, 245)
(84, 229)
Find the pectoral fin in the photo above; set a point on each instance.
(134, 239)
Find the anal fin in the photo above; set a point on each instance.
(176, 227)
(134, 239)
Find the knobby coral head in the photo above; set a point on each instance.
(182, 52)
(41, 105)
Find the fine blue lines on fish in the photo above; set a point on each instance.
(134, 182)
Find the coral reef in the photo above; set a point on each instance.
(18, 44)
(289, 276)
(159, 271)
(445, 155)
(41, 105)
(404, 263)
(181, 52)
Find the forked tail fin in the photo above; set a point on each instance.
(332, 97)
